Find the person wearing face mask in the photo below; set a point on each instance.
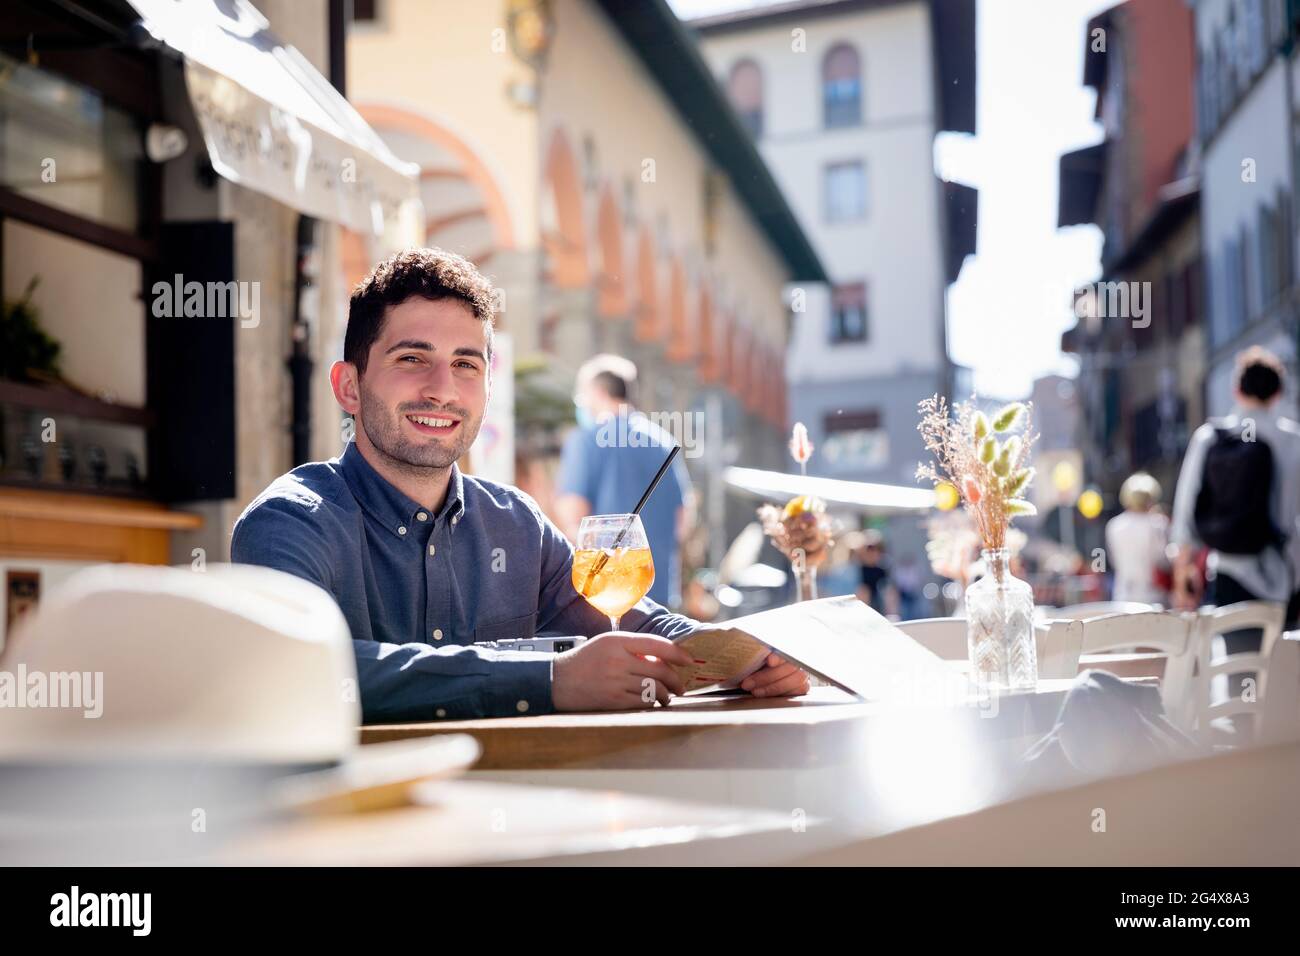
(610, 458)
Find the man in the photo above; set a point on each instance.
(1221, 493)
(425, 561)
(610, 459)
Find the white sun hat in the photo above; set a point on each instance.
(234, 663)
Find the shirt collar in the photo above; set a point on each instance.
(1239, 411)
(389, 506)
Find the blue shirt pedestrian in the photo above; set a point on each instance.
(419, 589)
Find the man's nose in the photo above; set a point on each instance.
(439, 385)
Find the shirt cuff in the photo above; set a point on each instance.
(519, 684)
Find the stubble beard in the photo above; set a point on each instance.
(419, 458)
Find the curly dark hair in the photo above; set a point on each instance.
(430, 273)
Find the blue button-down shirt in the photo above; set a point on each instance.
(418, 588)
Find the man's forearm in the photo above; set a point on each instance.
(1186, 585)
(661, 621)
(418, 682)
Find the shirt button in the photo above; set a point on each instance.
(522, 706)
(455, 519)
(432, 550)
(401, 529)
(440, 712)
(437, 633)
(422, 516)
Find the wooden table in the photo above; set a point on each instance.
(464, 823)
(714, 731)
(807, 758)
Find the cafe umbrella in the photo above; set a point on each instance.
(867, 497)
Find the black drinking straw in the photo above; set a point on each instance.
(654, 483)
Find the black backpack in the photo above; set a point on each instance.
(1232, 508)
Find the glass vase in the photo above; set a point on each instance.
(805, 580)
(1000, 628)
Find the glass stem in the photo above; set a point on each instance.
(613, 623)
(806, 584)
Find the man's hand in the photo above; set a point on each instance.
(777, 678)
(1186, 596)
(617, 670)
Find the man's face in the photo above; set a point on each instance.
(587, 397)
(425, 387)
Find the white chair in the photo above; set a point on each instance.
(946, 636)
(1169, 634)
(1083, 612)
(1279, 715)
(1275, 671)
(1195, 664)
(943, 636)
(1062, 643)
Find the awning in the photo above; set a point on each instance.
(865, 496)
(272, 123)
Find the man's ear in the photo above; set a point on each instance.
(346, 382)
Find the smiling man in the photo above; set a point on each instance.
(425, 561)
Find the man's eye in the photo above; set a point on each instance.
(413, 358)
(469, 365)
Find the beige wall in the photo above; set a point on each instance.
(595, 87)
(450, 62)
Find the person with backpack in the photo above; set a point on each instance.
(1239, 495)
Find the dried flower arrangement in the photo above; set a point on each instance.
(802, 529)
(991, 476)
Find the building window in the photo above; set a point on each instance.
(62, 145)
(1194, 291)
(1256, 36)
(745, 89)
(849, 313)
(1275, 29)
(842, 87)
(846, 192)
(1227, 94)
(1209, 92)
(855, 441)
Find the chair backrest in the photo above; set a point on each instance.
(1082, 612)
(946, 638)
(1279, 717)
(942, 636)
(1169, 633)
(1273, 670)
(1187, 640)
